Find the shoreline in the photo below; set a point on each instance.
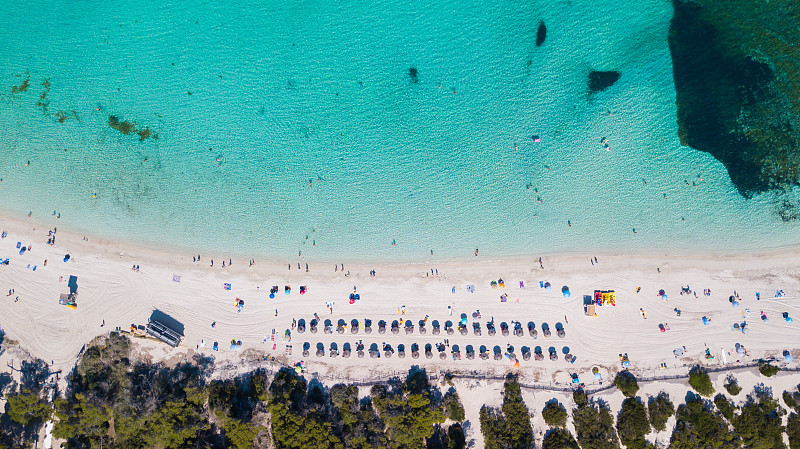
(139, 249)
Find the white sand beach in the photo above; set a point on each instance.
(110, 292)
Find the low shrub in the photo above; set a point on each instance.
(724, 406)
(660, 409)
(632, 424)
(554, 414)
(766, 369)
(626, 382)
(732, 386)
(559, 439)
(700, 382)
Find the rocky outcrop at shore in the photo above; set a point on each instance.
(736, 68)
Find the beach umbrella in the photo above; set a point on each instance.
(565, 291)
(706, 321)
(547, 287)
(787, 356)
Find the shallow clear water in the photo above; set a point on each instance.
(292, 92)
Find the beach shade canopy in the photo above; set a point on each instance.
(787, 356)
(565, 291)
(706, 321)
(547, 287)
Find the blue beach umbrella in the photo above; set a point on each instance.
(705, 321)
(565, 291)
(547, 287)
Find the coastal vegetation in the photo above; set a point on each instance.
(766, 369)
(554, 414)
(632, 423)
(112, 400)
(759, 422)
(659, 410)
(559, 439)
(626, 382)
(732, 386)
(510, 425)
(594, 423)
(700, 382)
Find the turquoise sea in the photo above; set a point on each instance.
(288, 126)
